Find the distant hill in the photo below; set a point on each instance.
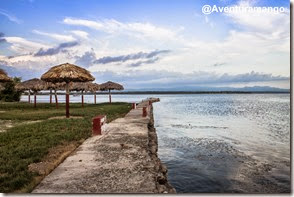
(28, 74)
(212, 89)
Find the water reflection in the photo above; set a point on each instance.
(225, 143)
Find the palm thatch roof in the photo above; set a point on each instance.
(56, 86)
(67, 73)
(32, 84)
(80, 86)
(110, 86)
(96, 87)
(4, 77)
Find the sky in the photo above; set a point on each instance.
(149, 43)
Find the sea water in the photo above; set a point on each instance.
(219, 142)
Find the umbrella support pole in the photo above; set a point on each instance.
(56, 99)
(67, 101)
(50, 96)
(109, 96)
(29, 96)
(35, 100)
(95, 98)
(82, 98)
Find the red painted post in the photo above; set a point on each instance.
(56, 100)
(134, 106)
(109, 96)
(67, 100)
(98, 122)
(50, 96)
(29, 97)
(35, 100)
(67, 105)
(144, 111)
(82, 100)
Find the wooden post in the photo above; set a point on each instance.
(56, 99)
(95, 98)
(109, 96)
(50, 95)
(144, 112)
(82, 98)
(35, 99)
(29, 96)
(134, 106)
(67, 101)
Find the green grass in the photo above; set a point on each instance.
(24, 144)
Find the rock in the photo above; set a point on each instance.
(153, 150)
(161, 188)
(161, 179)
(163, 169)
(172, 191)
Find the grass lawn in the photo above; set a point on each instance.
(34, 136)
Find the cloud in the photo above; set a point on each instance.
(1, 37)
(134, 56)
(154, 78)
(139, 63)
(219, 64)
(60, 37)
(56, 50)
(22, 45)
(81, 34)
(10, 17)
(270, 25)
(87, 59)
(24, 73)
(112, 26)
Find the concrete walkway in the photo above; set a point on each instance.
(116, 162)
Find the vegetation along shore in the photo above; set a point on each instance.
(34, 141)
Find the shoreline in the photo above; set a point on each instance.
(163, 186)
(122, 160)
(170, 92)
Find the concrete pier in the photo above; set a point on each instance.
(123, 160)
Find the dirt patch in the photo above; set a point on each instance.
(31, 122)
(55, 156)
(5, 124)
(63, 117)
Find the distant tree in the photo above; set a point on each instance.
(9, 93)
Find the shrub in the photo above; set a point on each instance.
(9, 93)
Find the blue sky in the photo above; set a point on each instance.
(148, 43)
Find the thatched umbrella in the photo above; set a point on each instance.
(108, 86)
(3, 76)
(83, 87)
(3, 79)
(35, 85)
(67, 73)
(55, 87)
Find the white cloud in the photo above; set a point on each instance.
(81, 34)
(274, 24)
(59, 37)
(10, 17)
(112, 26)
(207, 21)
(21, 45)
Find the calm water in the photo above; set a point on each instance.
(225, 143)
(220, 143)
